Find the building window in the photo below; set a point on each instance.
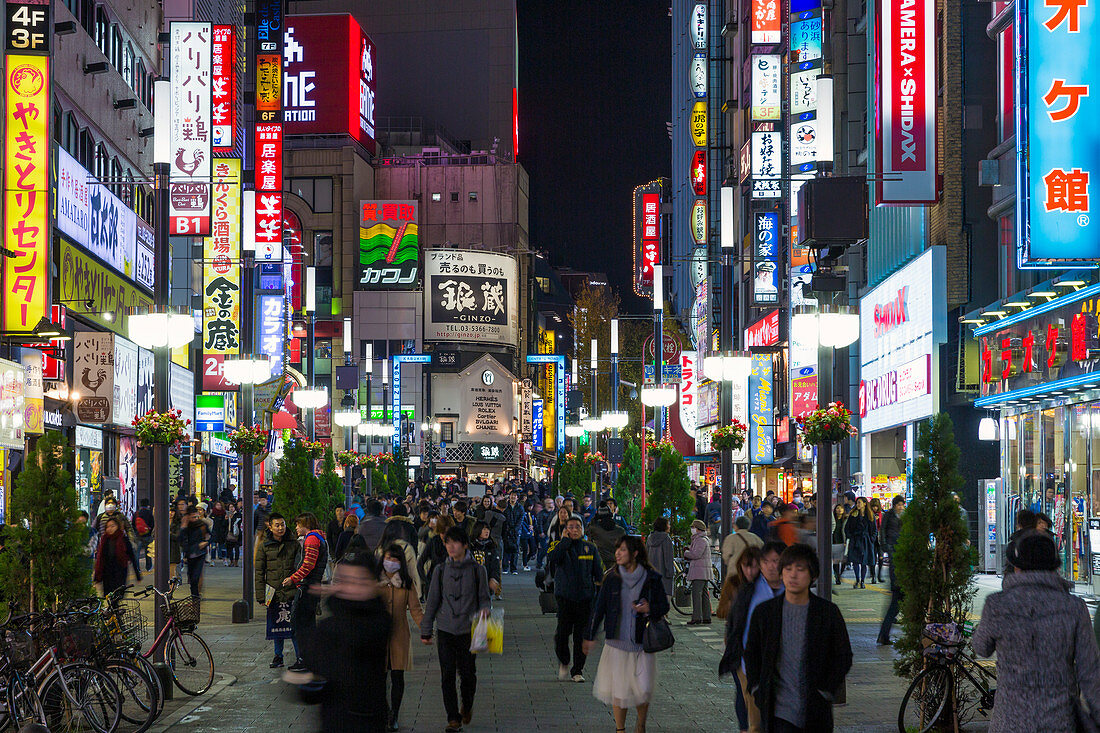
(437, 197)
(86, 150)
(102, 32)
(447, 432)
(116, 52)
(316, 192)
(87, 16)
(473, 196)
(454, 197)
(128, 66)
(101, 165)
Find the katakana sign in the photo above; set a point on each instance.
(1057, 150)
(389, 245)
(189, 190)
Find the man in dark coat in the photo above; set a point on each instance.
(575, 566)
(798, 651)
(373, 525)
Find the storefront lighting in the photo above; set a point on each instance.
(658, 395)
(246, 369)
(615, 419)
(157, 327)
(994, 314)
(1069, 283)
(1019, 304)
(987, 429)
(311, 399)
(975, 321)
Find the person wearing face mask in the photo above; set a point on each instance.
(351, 646)
(699, 572)
(399, 598)
(110, 511)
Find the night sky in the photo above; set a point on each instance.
(593, 102)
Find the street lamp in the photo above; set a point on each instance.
(311, 398)
(592, 424)
(161, 327)
(573, 430)
(246, 369)
(658, 395)
(615, 419)
(348, 414)
(837, 325)
(730, 367)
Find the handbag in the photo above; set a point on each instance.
(725, 600)
(657, 636)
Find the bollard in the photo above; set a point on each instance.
(165, 675)
(240, 612)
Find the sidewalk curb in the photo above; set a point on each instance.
(163, 724)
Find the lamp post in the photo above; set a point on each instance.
(311, 310)
(729, 368)
(576, 417)
(368, 372)
(658, 345)
(725, 342)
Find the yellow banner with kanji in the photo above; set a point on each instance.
(221, 293)
(26, 192)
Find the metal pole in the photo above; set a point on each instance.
(824, 502)
(368, 472)
(161, 490)
(248, 465)
(614, 408)
(312, 375)
(725, 343)
(658, 368)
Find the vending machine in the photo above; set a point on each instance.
(989, 490)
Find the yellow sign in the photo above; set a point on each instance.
(221, 293)
(26, 275)
(699, 124)
(83, 279)
(269, 82)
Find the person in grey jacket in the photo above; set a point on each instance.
(660, 550)
(1043, 638)
(373, 525)
(458, 590)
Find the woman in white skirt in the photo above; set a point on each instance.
(630, 595)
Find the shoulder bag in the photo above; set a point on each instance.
(657, 636)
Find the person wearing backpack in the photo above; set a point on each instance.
(143, 527)
(303, 616)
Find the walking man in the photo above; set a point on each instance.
(458, 589)
(768, 586)
(891, 529)
(575, 566)
(798, 651)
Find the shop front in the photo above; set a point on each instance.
(903, 322)
(1040, 379)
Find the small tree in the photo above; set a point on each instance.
(934, 574)
(295, 487)
(668, 491)
(43, 564)
(397, 475)
(628, 488)
(331, 486)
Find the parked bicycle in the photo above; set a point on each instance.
(952, 683)
(185, 653)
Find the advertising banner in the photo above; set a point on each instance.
(689, 392)
(271, 334)
(764, 332)
(328, 80)
(223, 90)
(698, 173)
(26, 215)
(83, 279)
(189, 206)
(767, 87)
(33, 402)
(698, 27)
(647, 234)
(221, 295)
(697, 75)
(767, 154)
(806, 36)
(699, 124)
(487, 404)
(94, 375)
(470, 296)
(537, 430)
(124, 401)
(145, 374)
(12, 408)
(699, 221)
(765, 257)
(761, 439)
(389, 245)
(905, 129)
(127, 475)
(269, 194)
(766, 19)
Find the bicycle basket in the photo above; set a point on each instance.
(72, 641)
(125, 623)
(19, 647)
(949, 634)
(186, 611)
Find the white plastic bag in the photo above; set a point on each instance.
(479, 634)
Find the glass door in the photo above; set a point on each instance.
(1080, 433)
(1053, 502)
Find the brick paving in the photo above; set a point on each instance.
(519, 690)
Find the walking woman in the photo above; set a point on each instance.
(840, 520)
(194, 539)
(699, 572)
(659, 549)
(400, 599)
(631, 595)
(114, 555)
(742, 580)
(233, 536)
(434, 552)
(860, 528)
(276, 557)
(349, 530)
(876, 545)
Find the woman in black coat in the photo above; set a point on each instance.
(860, 530)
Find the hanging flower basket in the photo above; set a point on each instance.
(729, 437)
(315, 448)
(594, 458)
(830, 424)
(384, 459)
(367, 460)
(248, 439)
(161, 428)
(347, 458)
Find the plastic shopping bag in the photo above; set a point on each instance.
(495, 632)
(479, 634)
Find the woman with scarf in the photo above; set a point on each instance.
(399, 597)
(113, 557)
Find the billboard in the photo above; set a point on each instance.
(766, 21)
(697, 75)
(223, 89)
(124, 401)
(698, 172)
(764, 332)
(761, 442)
(765, 257)
(12, 409)
(647, 234)
(767, 87)
(26, 273)
(328, 78)
(269, 194)
(94, 375)
(471, 297)
(271, 334)
(221, 276)
(83, 279)
(767, 154)
(389, 245)
(905, 127)
(698, 26)
(189, 190)
(1056, 143)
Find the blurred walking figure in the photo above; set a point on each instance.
(114, 556)
(400, 599)
(658, 546)
(742, 584)
(1047, 659)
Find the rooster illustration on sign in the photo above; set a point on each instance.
(189, 168)
(93, 385)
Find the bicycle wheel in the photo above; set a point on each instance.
(681, 596)
(151, 673)
(191, 662)
(925, 700)
(23, 705)
(78, 698)
(138, 694)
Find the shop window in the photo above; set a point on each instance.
(473, 196)
(437, 197)
(139, 83)
(322, 250)
(447, 432)
(323, 348)
(454, 197)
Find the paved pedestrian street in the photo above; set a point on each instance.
(519, 690)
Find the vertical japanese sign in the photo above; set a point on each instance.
(268, 159)
(271, 334)
(905, 131)
(761, 411)
(765, 256)
(767, 152)
(94, 375)
(538, 432)
(698, 26)
(26, 279)
(189, 190)
(1057, 149)
(221, 294)
(767, 85)
(647, 234)
(689, 393)
(765, 22)
(223, 90)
